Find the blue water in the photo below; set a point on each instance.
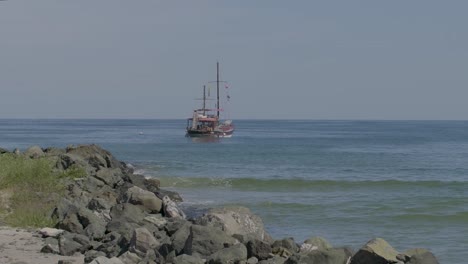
(348, 181)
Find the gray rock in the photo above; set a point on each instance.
(231, 255)
(287, 243)
(111, 177)
(259, 249)
(90, 255)
(273, 260)
(314, 243)
(70, 243)
(71, 223)
(93, 226)
(67, 261)
(171, 209)
(375, 251)
(66, 161)
(52, 151)
(129, 258)
(252, 260)
(174, 224)
(145, 199)
(50, 232)
(136, 180)
(142, 241)
(186, 259)
(127, 212)
(34, 152)
(420, 256)
(180, 237)
(206, 241)
(111, 244)
(3, 151)
(96, 156)
(125, 229)
(50, 249)
(152, 184)
(104, 260)
(157, 220)
(235, 220)
(99, 204)
(281, 252)
(152, 257)
(322, 256)
(173, 195)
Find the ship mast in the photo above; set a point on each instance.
(204, 99)
(217, 88)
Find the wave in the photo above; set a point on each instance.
(298, 184)
(459, 217)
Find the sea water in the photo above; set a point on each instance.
(347, 181)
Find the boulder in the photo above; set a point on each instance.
(142, 241)
(71, 223)
(252, 260)
(83, 221)
(111, 244)
(50, 249)
(136, 180)
(52, 151)
(70, 243)
(3, 151)
(111, 177)
(104, 260)
(233, 254)
(273, 260)
(175, 196)
(145, 199)
(314, 243)
(420, 256)
(180, 237)
(205, 241)
(286, 243)
(187, 259)
(50, 232)
(92, 254)
(376, 251)
(99, 204)
(259, 249)
(129, 258)
(34, 152)
(322, 256)
(96, 156)
(157, 220)
(235, 220)
(66, 161)
(127, 212)
(171, 209)
(152, 184)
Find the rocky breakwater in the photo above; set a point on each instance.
(112, 215)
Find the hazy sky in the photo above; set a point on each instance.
(283, 59)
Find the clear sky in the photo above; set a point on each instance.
(283, 59)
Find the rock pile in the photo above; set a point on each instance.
(115, 216)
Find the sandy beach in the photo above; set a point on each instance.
(20, 246)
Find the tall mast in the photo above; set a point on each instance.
(217, 88)
(204, 99)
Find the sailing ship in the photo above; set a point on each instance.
(206, 122)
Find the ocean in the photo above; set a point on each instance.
(347, 181)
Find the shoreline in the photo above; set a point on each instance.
(114, 213)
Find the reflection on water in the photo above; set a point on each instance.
(204, 139)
